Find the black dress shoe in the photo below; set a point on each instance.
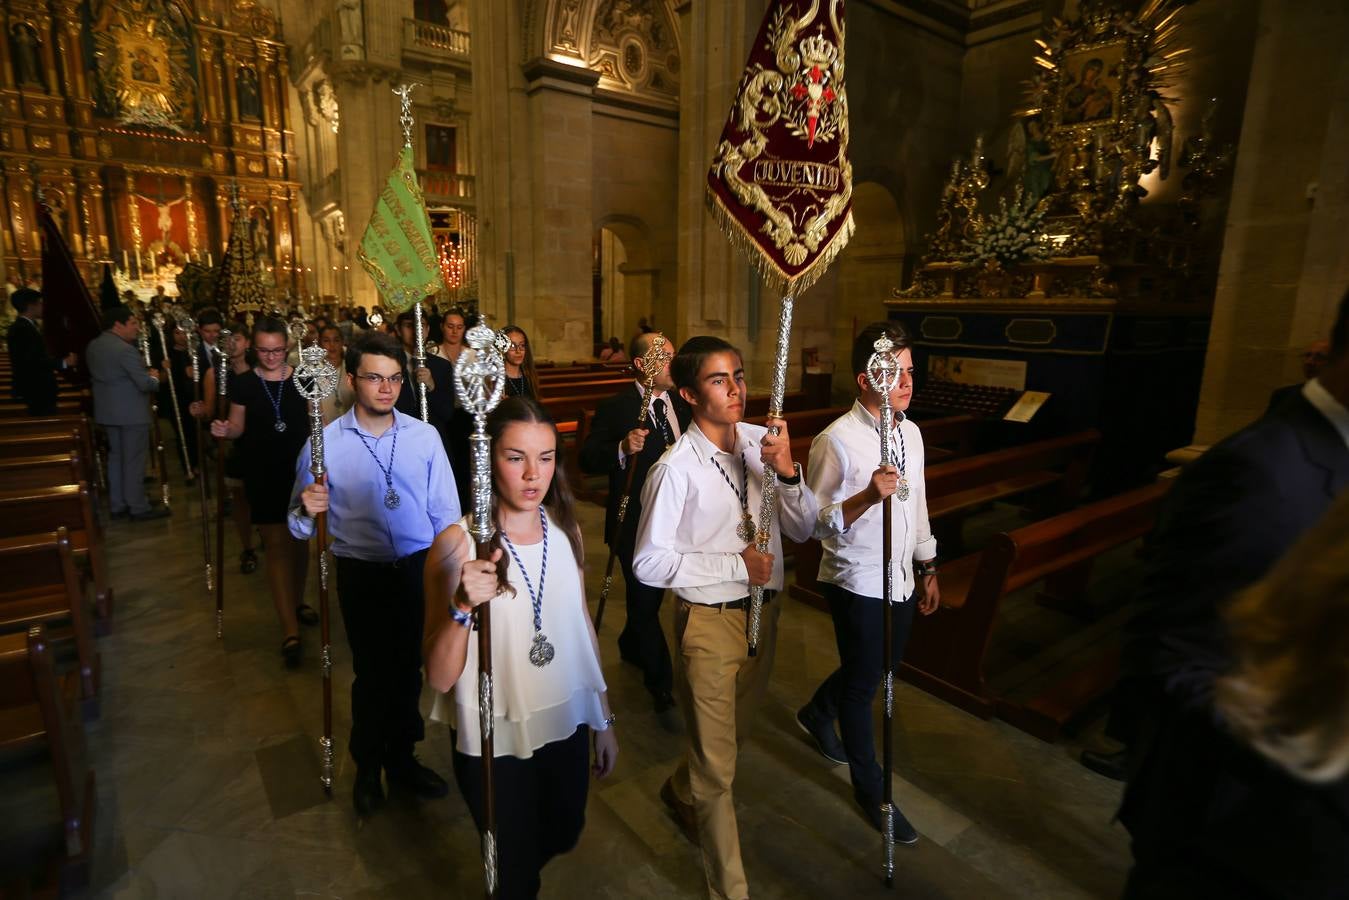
(904, 832)
(415, 778)
(822, 733)
(369, 793)
(1111, 765)
(154, 512)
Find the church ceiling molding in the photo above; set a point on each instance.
(632, 44)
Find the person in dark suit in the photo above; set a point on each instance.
(1201, 810)
(438, 375)
(1313, 359)
(34, 369)
(613, 443)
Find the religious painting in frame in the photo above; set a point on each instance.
(1092, 88)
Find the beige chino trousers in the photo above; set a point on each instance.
(720, 687)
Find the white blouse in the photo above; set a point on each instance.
(532, 706)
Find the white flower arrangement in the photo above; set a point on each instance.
(1015, 233)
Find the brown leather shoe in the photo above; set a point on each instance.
(683, 812)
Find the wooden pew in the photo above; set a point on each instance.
(946, 650)
(960, 486)
(37, 510)
(36, 713)
(41, 471)
(65, 406)
(43, 586)
(50, 424)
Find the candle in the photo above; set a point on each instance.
(126, 267)
(210, 260)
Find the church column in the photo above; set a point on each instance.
(558, 299)
(367, 146)
(1282, 270)
(713, 278)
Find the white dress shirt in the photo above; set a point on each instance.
(1328, 406)
(670, 418)
(842, 459)
(686, 539)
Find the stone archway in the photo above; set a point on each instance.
(626, 278)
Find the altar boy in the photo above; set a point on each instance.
(700, 509)
(849, 481)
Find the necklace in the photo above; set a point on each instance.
(279, 424)
(745, 530)
(391, 498)
(540, 651)
(902, 488)
(517, 385)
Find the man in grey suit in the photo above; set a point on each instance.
(121, 382)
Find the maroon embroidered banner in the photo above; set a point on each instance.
(781, 183)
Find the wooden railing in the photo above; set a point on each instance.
(430, 36)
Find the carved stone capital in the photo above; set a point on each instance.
(542, 72)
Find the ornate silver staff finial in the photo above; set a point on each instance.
(375, 319)
(883, 375)
(297, 331)
(404, 92)
(315, 378)
(160, 321)
(480, 384)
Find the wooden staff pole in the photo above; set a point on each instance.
(883, 375)
(222, 402)
(315, 378)
(481, 384)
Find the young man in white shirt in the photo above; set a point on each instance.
(699, 510)
(849, 484)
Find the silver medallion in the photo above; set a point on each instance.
(541, 652)
(279, 425)
(745, 530)
(391, 499)
(902, 491)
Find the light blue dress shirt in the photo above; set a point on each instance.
(360, 525)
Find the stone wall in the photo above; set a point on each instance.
(1283, 265)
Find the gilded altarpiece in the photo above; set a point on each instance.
(129, 118)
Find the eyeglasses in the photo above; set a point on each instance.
(375, 380)
(515, 346)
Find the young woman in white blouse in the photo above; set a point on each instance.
(550, 699)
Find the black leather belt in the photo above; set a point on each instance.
(742, 603)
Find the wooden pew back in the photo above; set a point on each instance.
(36, 708)
(41, 471)
(35, 510)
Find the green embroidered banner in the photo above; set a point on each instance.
(397, 249)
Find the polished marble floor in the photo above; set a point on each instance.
(206, 758)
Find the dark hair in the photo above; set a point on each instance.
(271, 325)
(527, 367)
(864, 345)
(24, 298)
(1339, 332)
(559, 500)
(374, 343)
(121, 314)
(688, 362)
(210, 316)
(327, 328)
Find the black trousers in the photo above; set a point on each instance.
(382, 611)
(846, 695)
(540, 807)
(643, 641)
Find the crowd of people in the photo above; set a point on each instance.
(1233, 700)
